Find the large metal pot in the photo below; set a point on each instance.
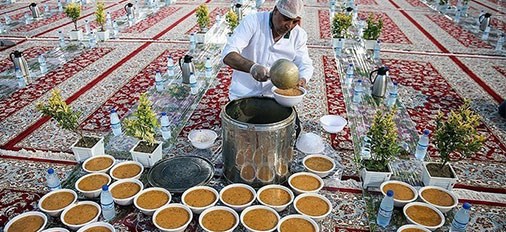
(258, 136)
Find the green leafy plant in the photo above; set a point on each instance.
(232, 20)
(144, 123)
(203, 18)
(340, 23)
(443, 2)
(373, 30)
(73, 11)
(100, 15)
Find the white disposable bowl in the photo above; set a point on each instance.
(316, 218)
(412, 226)
(56, 229)
(315, 225)
(298, 191)
(203, 138)
(278, 208)
(288, 101)
(219, 208)
(432, 228)
(198, 210)
(129, 200)
(321, 174)
(55, 213)
(103, 224)
(30, 213)
(173, 205)
(239, 208)
(310, 143)
(333, 123)
(151, 211)
(124, 163)
(93, 193)
(400, 203)
(443, 209)
(76, 227)
(99, 156)
(245, 211)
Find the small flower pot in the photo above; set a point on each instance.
(76, 35)
(369, 44)
(103, 35)
(373, 178)
(443, 182)
(83, 153)
(147, 159)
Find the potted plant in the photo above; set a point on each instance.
(103, 33)
(384, 147)
(373, 31)
(73, 11)
(456, 138)
(68, 119)
(340, 24)
(203, 20)
(143, 126)
(232, 20)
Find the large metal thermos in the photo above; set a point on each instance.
(20, 62)
(35, 10)
(379, 83)
(187, 67)
(129, 9)
(484, 21)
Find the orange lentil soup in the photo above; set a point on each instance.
(172, 218)
(98, 164)
(296, 225)
(412, 230)
(27, 224)
(218, 220)
(152, 199)
(98, 229)
(81, 214)
(423, 215)
(237, 196)
(260, 219)
(401, 192)
(289, 92)
(313, 206)
(126, 171)
(125, 190)
(319, 164)
(200, 198)
(438, 197)
(57, 201)
(275, 196)
(305, 183)
(92, 182)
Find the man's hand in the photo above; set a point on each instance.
(302, 83)
(259, 72)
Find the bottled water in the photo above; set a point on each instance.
(208, 68)
(392, 95)
(115, 29)
(46, 9)
(87, 29)
(461, 219)
(115, 123)
(131, 21)
(457, 16)
(365, 152)
(61, 39)
(193, 84)
(463, 12)
(27, 18)
(159, 81)
(93, 40)
(165, 129)
(339, 47)
(167, 2)
(423, 145)
(193, 43)
(349, 75)
(107, 204)
(357, 92)
(52, 180)
(386, 209)
(42, 63)
(1, 27)
(485, 34)
(500, 43)
(8, 19)
(376, 50)
(108, 20)
(170, 66)
(20, 78)
(355, 14)
(60, 6)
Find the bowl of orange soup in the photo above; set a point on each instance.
(313, 205)
(259, 218)
(412, 228)
(305, 182)
(54, 202)
(297, 223)
(172, 217)
(124, 191)
(97, 227)
(151, 199)
(237, 196)
(200, 198)
(438, 197)
(30, 221)
(275, 196)
(219, 218)
(99, 163)
(91, 185)
(80, 214)
(127, 170)
(403, 192)
(424, 215)
(320, 165)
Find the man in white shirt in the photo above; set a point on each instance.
(260, 40)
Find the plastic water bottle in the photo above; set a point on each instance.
(485, 34)
(61, 39)
(193, 84)
(20, 78)
(349, 75)
(93, 40)
(42, 63)
(461, 219)
(376, 50)
(60, 6)
(500, 43)
(457, 16)
(423, 145)
(167, 2)
(170, 66)
(46, 9)
(8, 19)
(52, 180)
(392, 95)
(463, 12)
(115, 29)
(87, 29)
(386, 209)
(357, 92)
(159, 81)
(355, 13)
(208, 68)
(107, 204)
(193, 43)
(339, 48)
(165, 129)
(27, 18)
(108, 20)
(115, 123)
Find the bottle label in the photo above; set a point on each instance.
(422, 146)
(385, 213)
(458, 225)
(115, 126)
(108, 205)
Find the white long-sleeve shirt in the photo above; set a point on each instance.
(254, 41)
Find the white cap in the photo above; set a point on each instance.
(291, 8)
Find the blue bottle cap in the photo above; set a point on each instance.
(50, 171)
(466, 205)
(164, 114)
(359, 81)
(157, 71)
(113, 110)
(395, 83)
(390, 193)
(426, 132)
(351, 65)
(105, 187)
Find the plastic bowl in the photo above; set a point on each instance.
(333, 123)
(443, 209)
(238, 208)
(55, 213)
(198, 210)
(173, 205)
(94, 193)
(56, 229)
(288, 101)
(316, 218)
(411, 226)
(315, 225)
(203, 214)
(128, 200)
(278, 208)
(432, 228)
(101, 224)
(96, 157)
(310, 143)
(321, 174)
(400, 203)
(31, 213)
(245, 211)
(76, 227)
(125, 163)
(150, 212)
(202, 139)
(298, 191)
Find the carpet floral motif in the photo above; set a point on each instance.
(28, 53)
(152, 20)
(15, 202)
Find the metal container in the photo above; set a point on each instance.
(258, 138)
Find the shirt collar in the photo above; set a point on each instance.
(287, 35)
